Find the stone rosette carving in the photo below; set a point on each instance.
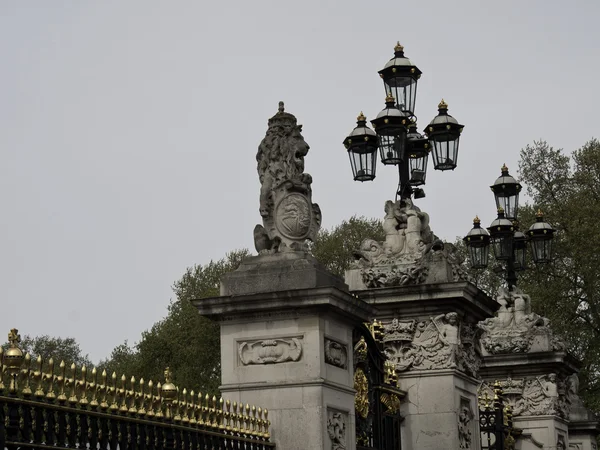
(336, 354)
(336, 429)
(289, 217)
(409, 249)
(270, 351)
(516, 329)
(441, 342)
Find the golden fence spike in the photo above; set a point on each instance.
(253, 421)
(234, 417)
(82, 386)
(92, 386)
(61, 382)
(103, 388)
(200, 410)
(247, 419)
(122, 394)
(227, 414)
(158, 401)
(50, 377)
(142, 398)
(114, 406)
(72, 383)
(177, 403)
(184, 407)
(149, 398)
(215, 414)
(221, 415)
(192, 408)
(206, 409)
(132, 397)
(26, 374)
(266, 424)
(259, 422)
(38, 375)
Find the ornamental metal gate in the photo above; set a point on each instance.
(495, 421)
(377, 401)
(41, 407)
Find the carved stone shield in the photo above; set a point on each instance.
(293, 216)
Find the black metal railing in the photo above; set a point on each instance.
(495, 421)
(43, 408)
(377, 401)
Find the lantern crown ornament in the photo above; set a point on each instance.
(444, 133)
(506, 192)
(400, 78)
(361, 144)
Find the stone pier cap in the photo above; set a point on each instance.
(431, 299)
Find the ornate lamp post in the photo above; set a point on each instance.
(508, 243)
(395, 132)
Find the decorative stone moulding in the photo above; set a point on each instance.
(270, 351)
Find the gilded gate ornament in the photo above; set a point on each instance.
(361, 398)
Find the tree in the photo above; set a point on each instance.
(567, 291)
(183, 340)
(334, 248)
(57, 348)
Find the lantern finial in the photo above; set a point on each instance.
(443, 105)
(361, 117)
(281, 107)
(504, 169)
(398, 47)
(390, 99)
(476, 220)
(500, 210)
(539, 214)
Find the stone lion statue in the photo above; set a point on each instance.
(289, 217)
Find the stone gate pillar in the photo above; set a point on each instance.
(429, 311)
(286, 323)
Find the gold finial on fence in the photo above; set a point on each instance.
(133, 397)
(92, 386)
(168, 392)
(234, 416)
(149, 399)
(71, 383)
(13, 358)
(82, 386)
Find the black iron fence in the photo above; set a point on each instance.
(495, 420)
(80, 410)
(377, 400)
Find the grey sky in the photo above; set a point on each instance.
(128, 130)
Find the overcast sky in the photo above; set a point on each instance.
(129, 129)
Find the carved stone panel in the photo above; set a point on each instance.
(534, 396)
(336, 429)
(336, 354)
(270, 351)
(465, 417)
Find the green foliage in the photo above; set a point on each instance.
(334, 248)
(567, 291)
(183, 340)
(57, 348)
